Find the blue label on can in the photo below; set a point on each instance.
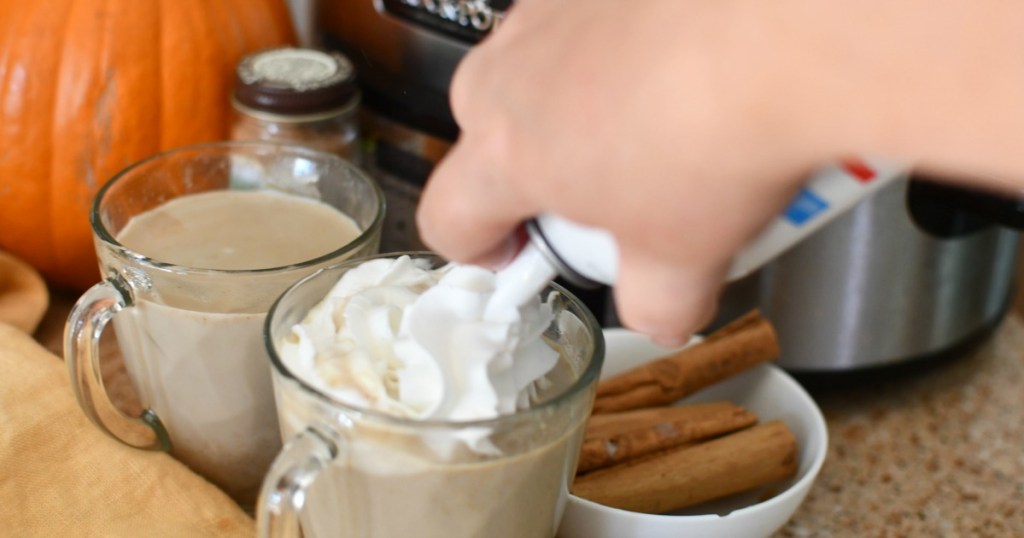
(804, 207)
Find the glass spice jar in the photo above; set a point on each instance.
(300, 96)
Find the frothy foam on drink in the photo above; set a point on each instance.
(400, 337)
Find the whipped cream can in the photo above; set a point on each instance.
(585, 255)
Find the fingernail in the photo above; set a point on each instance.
(670, 340)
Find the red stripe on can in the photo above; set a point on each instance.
(858, 169)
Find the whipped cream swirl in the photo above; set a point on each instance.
(403, 338)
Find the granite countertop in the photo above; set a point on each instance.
(939, 452)
(936, 452)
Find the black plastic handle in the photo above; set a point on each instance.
(949, 211)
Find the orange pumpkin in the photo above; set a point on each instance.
(88, 87)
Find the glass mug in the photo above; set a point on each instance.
(190, 337)
(354, 472)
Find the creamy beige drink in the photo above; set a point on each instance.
(377, 493)
(197, 358)
(391, 484)
(460, 442)
(238, 230)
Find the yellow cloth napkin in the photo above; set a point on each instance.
(60, 476)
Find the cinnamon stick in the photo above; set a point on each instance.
(616, 437)
(740, 345)
(684, 476)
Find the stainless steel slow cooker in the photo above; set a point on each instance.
(908, 275)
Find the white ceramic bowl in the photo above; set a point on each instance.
(766, 390)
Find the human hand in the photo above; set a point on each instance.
(672, 152)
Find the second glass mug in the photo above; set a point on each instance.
(190, 336)
(355, 472)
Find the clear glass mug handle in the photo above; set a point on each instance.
(90, 315)
(285, 486)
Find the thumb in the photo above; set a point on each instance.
(668, 303)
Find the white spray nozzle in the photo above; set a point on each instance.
(520, 280)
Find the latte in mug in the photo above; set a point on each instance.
(200, 363)
(415, 409)
(195, 245)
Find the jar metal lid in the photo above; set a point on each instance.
(294, 81)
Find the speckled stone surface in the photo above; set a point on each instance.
(934, 453)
